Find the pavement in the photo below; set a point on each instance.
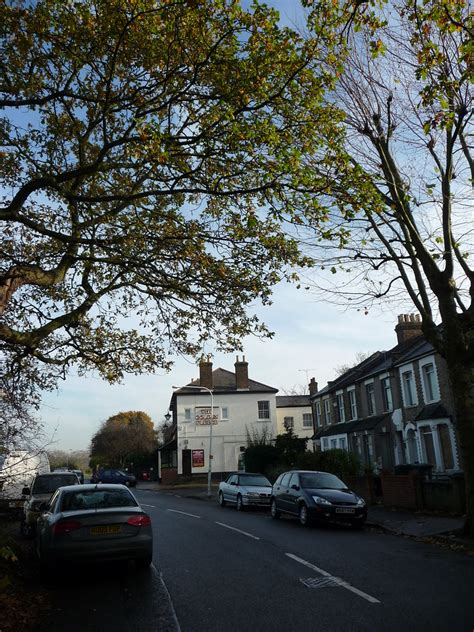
(396, 521)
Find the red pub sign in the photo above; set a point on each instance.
(197, 458)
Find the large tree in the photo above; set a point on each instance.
(123, 438)
(403, 194)
(149, 149)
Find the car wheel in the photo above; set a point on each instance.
(303, 515)
(240, 505)
(274, 511)
(144, 562)
(222, 502)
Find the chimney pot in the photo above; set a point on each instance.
(313, 386)
(241, 374)
(205, 374)
(408, 326)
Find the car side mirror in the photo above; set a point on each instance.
(296, 487)
(25, 491)
(233, 483)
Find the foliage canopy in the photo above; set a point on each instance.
(149, 152)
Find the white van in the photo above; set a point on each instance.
(17, 470)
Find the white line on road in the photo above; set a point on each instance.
(184, 513)
(221, 524)
(337, 580)
(143, 505)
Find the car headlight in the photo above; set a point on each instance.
(321, 501)
(361, 502)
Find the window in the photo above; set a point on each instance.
(264, 410)
(340, 407)
(369, 391)
(352, 403)
(187, 414)
(224, 413)
(408, 388)
(333, 444)
(325, 443)
(318, 413)
(327, 410)
(429, 382)
(307, 420)
(342, 443)
(288, 423)
(387, 395)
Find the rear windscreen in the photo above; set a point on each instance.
(49, 484)
(97, 499)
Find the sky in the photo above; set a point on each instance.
(312, 338)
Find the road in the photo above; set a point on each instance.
(230, 571)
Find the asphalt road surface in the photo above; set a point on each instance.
(230, 571)
(226, 571)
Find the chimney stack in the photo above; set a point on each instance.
(241, 374)
(205, 373)
(313, 386)
(408, 326)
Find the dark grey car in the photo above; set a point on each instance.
(88, 523)
(316, 496)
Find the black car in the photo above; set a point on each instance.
(114, 476)
(316, 496)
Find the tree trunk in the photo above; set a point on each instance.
(462, 384)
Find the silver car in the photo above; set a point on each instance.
(88, 523)
(245, 489)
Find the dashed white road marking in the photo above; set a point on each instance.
(249, 535)
(184, 513)
(143, 505)
(337, 580)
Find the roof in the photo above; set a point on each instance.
(433, 411)
(368, 423)
(379, 362)
(171, 445)
(224, 382)
(292, 401)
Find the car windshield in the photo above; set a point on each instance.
(97, 499)
(254, 481)
(321, 480)
(49, 484)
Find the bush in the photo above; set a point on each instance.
(261, 458)
(338, 462)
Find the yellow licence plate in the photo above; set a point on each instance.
(106, 529)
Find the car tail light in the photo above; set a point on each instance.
(139, 521)
(66, 526)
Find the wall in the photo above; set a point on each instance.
(228, 436)
(297, 413)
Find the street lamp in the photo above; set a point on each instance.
(209, 472)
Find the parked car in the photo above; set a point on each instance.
(317, 496)
(88, 523)
(79, 474)
(245, 489)
(43, 487)
(114, 476)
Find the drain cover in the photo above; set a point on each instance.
(320, 582)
